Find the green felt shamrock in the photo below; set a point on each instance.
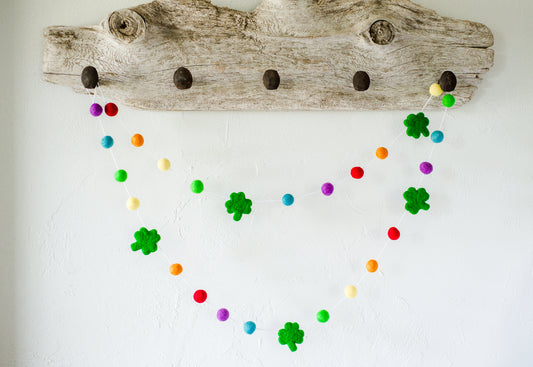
(416, 125)
(146, 241)
(291, 335)
(416, 200)
(238, 205)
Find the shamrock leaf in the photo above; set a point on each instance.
(238, 205)
(291, 335)
(416, 200)
(146, 241)
(416, 125)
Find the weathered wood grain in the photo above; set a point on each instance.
(316, 46)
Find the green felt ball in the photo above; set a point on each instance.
(197, 186)
(121, 175)
(448, 100)
(322, 316)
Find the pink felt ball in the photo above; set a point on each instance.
(426, 168)
(96, 110)
(327, 189)
(222, 314)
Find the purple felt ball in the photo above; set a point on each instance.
(96, 110)
(327, 189)
(222, 314)
(426, 168)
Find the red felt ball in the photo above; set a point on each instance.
(111, 109)
(394, 233)
(357, 172)
(200, 296)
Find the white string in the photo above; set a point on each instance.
(427, 102)
(272, 201)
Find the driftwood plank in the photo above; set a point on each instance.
(316, 46)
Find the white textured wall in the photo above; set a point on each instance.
(456, 290)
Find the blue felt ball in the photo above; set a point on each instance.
(249, 327)
(437, 136)
(287, 199)
(107, 142)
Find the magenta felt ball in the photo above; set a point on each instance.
(222, 314)
(426, 168)
(327, 189)
(96, 110)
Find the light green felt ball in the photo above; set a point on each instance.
(448, 100)
(197, 186)
(121, 175)
(322, 316)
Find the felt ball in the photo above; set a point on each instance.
(222, 314)
(394, 233)
(382, 153)
(111, 109)
(372, 266)
(426, 168)
(448, 100)
(121, 175)
(133, 203)
(107, 142)
(350, 291)
(435, 90)
(176, 269)
(322, 316)
(327, 188)
(137, 140)
(96, 110)
(163, 164)
(437, 136)
(197, 186)
(249, 327)
(357, 172)
(200, 296)
(287, 199)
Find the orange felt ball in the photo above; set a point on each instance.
(176, 269)
(371, 266)
(137, 140)
(382, 153)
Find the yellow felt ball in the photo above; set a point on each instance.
(163, 164)
(435, 90)
(133, 203)
(350, 291)
(382, 153)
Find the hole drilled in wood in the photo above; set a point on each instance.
(382, 32)
(89, 77)
(448, 81)
(183, 78)
(271, 79)
(361, 81)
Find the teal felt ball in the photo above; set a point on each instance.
(287, 199)
(249, 327)
(437, 136)
(107, 142)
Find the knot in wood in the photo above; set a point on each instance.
(382, 32)
(127, 25)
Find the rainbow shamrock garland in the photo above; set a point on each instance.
(239, 205)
